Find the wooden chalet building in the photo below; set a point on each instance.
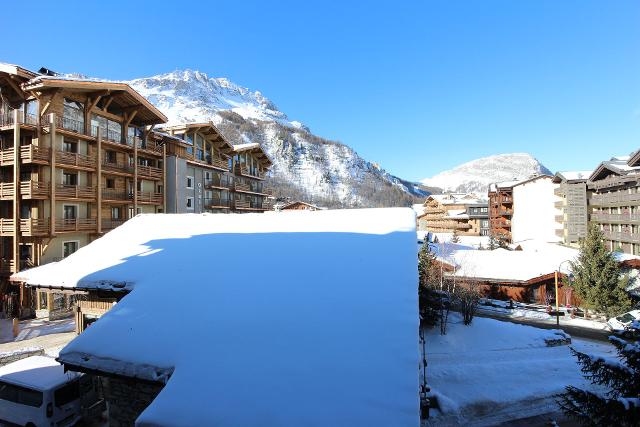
(205, 173)
(501, 210)
(77, 159)
(462, 214)
(300, 206)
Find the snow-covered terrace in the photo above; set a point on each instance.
(305, 319)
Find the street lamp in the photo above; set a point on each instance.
(557, 299)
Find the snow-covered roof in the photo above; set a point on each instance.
(36, 372)
(574, 175)
(536, 259)
(457, 214)
(245, 147)
(238, 337)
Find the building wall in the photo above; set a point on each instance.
(127, 399)
(534, 211)
(55, 248)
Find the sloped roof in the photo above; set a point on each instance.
(237, 342)
(572, 176)
(37, 372)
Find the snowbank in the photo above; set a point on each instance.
(305, 319)
(492, 371)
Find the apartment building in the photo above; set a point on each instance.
(463, 214)
(205, 173)
(572, 218)
(501, 209)
(613, 202)
(76, 160)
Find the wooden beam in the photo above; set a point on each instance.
(107, 102)
(15, 86)
(129, 118)
(93, 103)
(44, 109)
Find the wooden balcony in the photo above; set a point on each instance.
(7, 191)
(241, 204)
(559, 218)
(250, 205)
(23, 119)
(244, 171)
(617, 218)
(65, 123)
(114, 195)
(75, 192)
(150, 198)
(76, 225)
(34, 227)
(7, 226)
(219, 182)
(35, 154)
(34, 190)
(217, 203)
(76, 160)
(622, 236)
(7, 267)
(614, 198)
(6, 156)
(110, 224)
(219, 163)
(560, 232)
(149, 146)
(150, 172)
(254, 187)
(117, 168)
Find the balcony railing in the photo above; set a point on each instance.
(34, 154)
(245, 171)
(6, 156)
(117, 167)
(7, 119)
(216, 203)
(615, 197)
(151, 198)
(623, 236)
(615, 217)
(7, 226)
(150, 172)
(110, 224)
(75, 159)
(7, 266)
(75, 191)
(560, 232)
(559, 218)
(111, 194)
(149, 145)
(34, 189)
(65, 122)
(7, 191)
(219, 181)
(34, 227)
(241, 204)
(75, 224)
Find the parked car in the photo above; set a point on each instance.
(36, 391)
(626, 324)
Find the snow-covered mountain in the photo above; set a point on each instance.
(305, 165)
(476, 175)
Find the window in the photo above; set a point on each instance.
(116, 212)
(190, 203)
(70, 146)
(73, 115)
(110, 156)
(189, 182)
(134, 135)
(21, 395)
(69, 178)
(69, 247)
(69, 211)
(160, 189)
(207, 176)
(199, 147)
(110, 183)
(67, 393)
(32, 109)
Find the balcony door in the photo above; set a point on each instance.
(69, 212)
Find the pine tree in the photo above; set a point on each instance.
(597, 280)
(620, 405)
(429, 279)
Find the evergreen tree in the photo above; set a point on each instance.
(597, 280)
(620, 405)
(455, 238)
(430, 299)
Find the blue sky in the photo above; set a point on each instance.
(418, 87)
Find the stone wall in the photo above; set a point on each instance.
(6, 358)
(127, 399)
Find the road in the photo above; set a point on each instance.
(577, 331)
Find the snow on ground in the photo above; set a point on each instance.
(492, 371)
(316, 346)
(29, 329)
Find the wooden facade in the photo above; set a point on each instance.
(500, 211)
(461, 214)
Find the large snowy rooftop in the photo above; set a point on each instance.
(305, 319)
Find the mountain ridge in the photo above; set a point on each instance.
(476, 175)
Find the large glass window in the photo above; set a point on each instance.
(69, 178)
(73, 115)
(109, 129)
(70, 211)
(134, 136)
(189, 140)
(199, 147)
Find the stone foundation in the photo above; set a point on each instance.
(126, 399)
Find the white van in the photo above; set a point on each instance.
(37, 392)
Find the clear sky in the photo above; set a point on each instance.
(418, 87)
